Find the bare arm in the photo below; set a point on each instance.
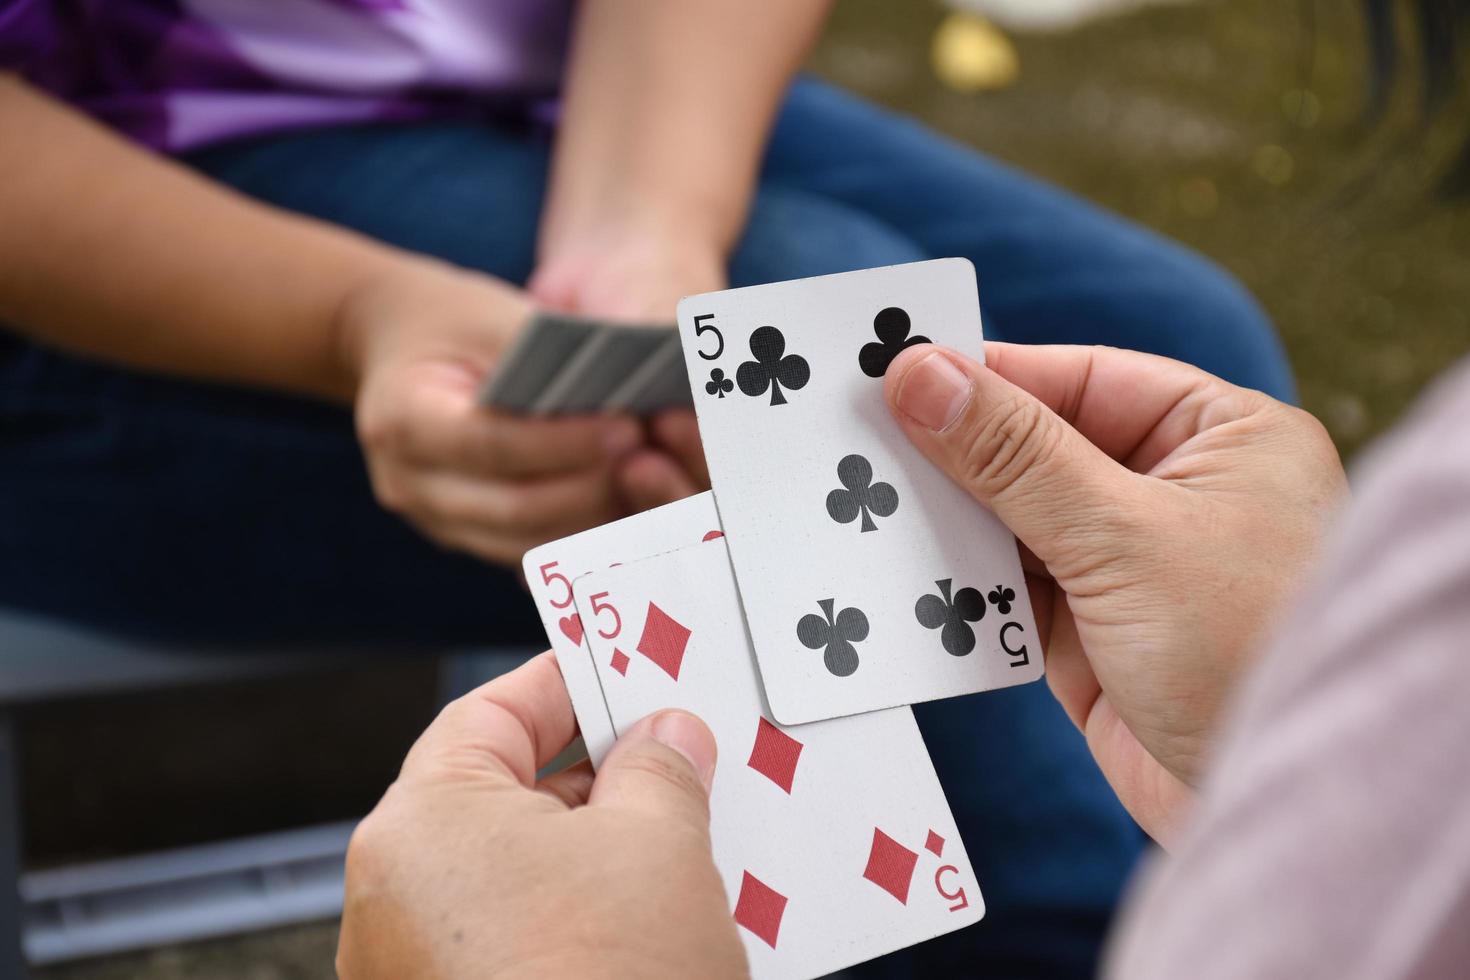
(668, 108)
(108, 249)
(667, 111)
(113, 251)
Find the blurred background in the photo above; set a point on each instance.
(1237, 126)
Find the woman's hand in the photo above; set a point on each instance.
(470, 867)
(1165, 517)
(422, 341)
(638, 273)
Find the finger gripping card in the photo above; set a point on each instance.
(834, 839)
(551, 568)
(868, 578)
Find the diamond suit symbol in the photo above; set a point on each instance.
(890, 866)
(934, 844)
(620, 661)
(759, 908)
(664, 640)
(774, 754)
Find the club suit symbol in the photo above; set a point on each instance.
(859, 496)
(892, 327)
(952, 616)
(772, 368)
(834, 635)
(1001, 598)
(718, 385)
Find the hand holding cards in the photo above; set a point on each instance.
(564, 364)
(855, 580)
(868, 578)
(834, 839)
(551, 569)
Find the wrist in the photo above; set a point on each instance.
(623, 240)
(355, 322)
(470, 315)
(704, 229)
(625, 273)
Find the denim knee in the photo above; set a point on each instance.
(793, 234)
(1145, 293)
(1200, 313)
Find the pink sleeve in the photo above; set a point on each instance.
(1333, 834)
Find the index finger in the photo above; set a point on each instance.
(677, 430)
(504, 730)
(1135, 407)
(455, 432)
(525, 446)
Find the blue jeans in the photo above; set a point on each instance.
(163, 507)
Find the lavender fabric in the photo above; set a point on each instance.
(181, 74)
(1332, 838)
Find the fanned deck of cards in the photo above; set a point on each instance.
(564, 364)
(830, 579)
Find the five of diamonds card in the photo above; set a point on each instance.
(831, 578)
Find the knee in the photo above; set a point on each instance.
(1202, 314)
(792, 235)
(1143, 292)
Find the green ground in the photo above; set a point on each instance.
(1231, 125)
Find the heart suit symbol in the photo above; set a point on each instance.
(571, 627)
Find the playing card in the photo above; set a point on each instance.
(539, 353)
(868, 578)
(551, 568)
(564, 363)
(834, 839)
(659, 384)
(601, 366)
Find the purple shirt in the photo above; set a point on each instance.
(180, 74)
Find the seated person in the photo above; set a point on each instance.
(230, 224)
(1315, 825)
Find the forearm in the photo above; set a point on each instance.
(667, 109)
(113, 251)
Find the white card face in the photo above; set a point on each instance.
(551, 568)
(834, 839)
(868, 578)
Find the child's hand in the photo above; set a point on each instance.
(422, 343)
(639, 275)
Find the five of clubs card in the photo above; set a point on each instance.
(868, 578)
(831, 578)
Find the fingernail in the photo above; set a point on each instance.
(621, 438)
(689, 737)
(933, 392)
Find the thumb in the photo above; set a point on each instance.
(1057, 492)
(662, 766)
